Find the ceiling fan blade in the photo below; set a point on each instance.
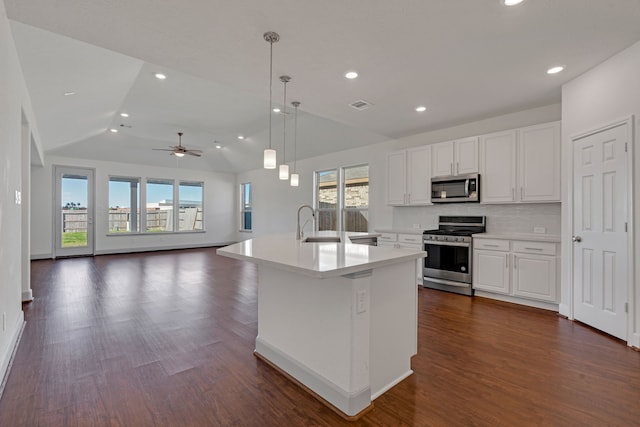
(163, 149)
(193, 153)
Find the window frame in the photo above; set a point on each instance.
(243, 207)
(316, 199)
(134, 202)
(343, 186)
(199, 211)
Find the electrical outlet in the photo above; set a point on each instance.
(18, 197)
(539, 230)
(361, 303)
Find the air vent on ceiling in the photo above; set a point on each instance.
(360, 104)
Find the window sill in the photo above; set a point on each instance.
(155, 233)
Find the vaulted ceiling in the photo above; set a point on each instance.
(464, 60)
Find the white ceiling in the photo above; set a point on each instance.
(465, 60)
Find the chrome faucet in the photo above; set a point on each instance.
(313, 214)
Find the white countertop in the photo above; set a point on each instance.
(401, 230)
(554, 238)
(319, 260)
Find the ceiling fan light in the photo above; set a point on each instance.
(284, 172)
(269, 158)
(295, 179)
(178, 154)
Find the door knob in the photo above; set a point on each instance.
(577, 239)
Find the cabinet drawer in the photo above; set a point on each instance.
(541, 248)
(388, 237)
(491, 244)
(415, 239)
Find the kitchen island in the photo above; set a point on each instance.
(337, 317)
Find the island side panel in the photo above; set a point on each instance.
(309, 328)
(394, 325)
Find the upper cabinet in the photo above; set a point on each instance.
(455, 157)
(409, 177)
(521, 165)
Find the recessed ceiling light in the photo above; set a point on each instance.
(421, 108)
(555, 70)
(512, 2)
(69, 93)
(276, 110)
(218, 146)
(124, 115)
(240, 137)
(351, 75)
(113, 130)
(160, 76)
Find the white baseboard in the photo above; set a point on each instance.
(565, 310)
(48, 255)
(7, 359)
(351, 403)
(635, 340)
(159, 248)
(517, 300)
(27, 296)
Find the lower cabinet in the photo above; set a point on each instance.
(520, 268)
(404, 241)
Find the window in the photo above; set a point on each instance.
(356, 198)
(245, 215)
(159, 205)
(190, 206)
(124, 202)
(343, 190)
(327, 200)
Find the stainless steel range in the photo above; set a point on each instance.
(449, 249)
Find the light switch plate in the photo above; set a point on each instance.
(18, 197)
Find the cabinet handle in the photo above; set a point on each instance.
(457, 168)
(513, 193)
(451, 168)
(515, 262)
(506, 261)
(534, 249)
(409, 198)
(521, 193)
(490, 246)
(411, 240)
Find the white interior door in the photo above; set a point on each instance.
(73, 211)
(600, 252)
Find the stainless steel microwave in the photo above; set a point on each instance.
(455, 189)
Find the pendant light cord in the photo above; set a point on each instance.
(295, 136)
(284, 124)
(270, 89)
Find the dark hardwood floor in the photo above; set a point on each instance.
(166, 339)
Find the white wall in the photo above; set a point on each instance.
(275, 203)
(13, 100)
(605, 94)
(219, 208)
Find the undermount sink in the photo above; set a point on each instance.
(322, 239)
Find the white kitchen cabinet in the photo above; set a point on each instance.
(498, 167)
(521, 165)
(409, 177)
(535, 270)
(524, 269)
(491, 266)
(539, 163)
(404, 241)
(455, 157)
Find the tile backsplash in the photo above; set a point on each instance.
(515, 218)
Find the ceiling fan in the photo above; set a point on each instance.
(179, 150)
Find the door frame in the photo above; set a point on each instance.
(57, 197)
(629, 121)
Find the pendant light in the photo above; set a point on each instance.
(295, 178)
(284, 167)
(270, 153)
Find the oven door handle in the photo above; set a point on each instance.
(441, 243)
(466, 187)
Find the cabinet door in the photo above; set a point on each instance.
(534, 276)
(466, 152)
(442, 154)
(419, 176)
(539, 163)
(396, 178)
(498, 167)
(491, 271)
(415, 247)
